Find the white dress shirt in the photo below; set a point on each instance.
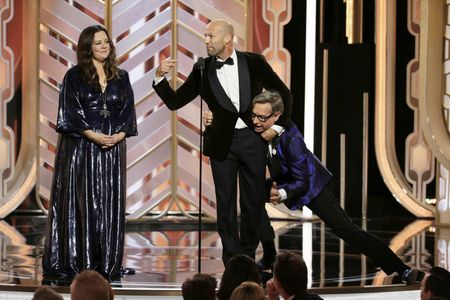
(228, 77)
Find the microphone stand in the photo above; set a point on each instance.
(201, 66)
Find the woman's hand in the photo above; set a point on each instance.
(103, 140)
(116, 138)
(97, 137)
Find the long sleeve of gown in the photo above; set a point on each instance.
(71, 116)
(127, 116)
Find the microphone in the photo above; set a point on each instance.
(201, 63)
(200, 66)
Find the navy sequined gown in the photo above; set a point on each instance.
(87, 211)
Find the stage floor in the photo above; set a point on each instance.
(164, 253)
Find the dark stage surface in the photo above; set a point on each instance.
(164, 253)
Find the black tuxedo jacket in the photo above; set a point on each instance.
(255, 74)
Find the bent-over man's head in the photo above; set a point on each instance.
(267, 108)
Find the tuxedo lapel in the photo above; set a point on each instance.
(218, 90)
(244, 82)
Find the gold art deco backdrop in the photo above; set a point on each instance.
(163, 160)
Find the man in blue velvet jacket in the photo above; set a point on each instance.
(298, 178)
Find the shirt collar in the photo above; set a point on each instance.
(233, 56)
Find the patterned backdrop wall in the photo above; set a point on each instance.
(163, 161)
(17, 139)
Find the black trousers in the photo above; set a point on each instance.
(246, 160)
(328, 209)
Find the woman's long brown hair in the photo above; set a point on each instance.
(85, 55)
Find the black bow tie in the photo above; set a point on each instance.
(219, 64)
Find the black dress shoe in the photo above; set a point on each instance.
(265, 263)
(127, 271)
(412, 276)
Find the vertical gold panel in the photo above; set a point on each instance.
(385, 46)
(19, 183)
(277, 13)
(108, 15)
(431, 83)
(354, 21)
(342, 170)
(419, 160)
(443, 177)
(173, 115)
(7, 134)
(365, 155)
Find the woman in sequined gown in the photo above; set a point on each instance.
(87, 211)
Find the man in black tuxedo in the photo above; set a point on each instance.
(230, 81)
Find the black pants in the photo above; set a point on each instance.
(327, 208)
(245, 159)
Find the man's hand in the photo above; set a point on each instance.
(207, 118)
(269, 134)
(275, 197)
(272, 293)
(165, 66)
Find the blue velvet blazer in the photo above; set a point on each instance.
(295, 169)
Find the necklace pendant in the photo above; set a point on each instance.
(105, 112)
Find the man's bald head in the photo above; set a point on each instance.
(223, 26)
(219, 36)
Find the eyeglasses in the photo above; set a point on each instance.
(262, 118)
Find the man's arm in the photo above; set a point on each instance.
(295, 157)
(184, 94)
(165, 67)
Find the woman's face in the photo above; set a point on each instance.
(100, 46)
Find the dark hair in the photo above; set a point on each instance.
(85, 55)
(291, 272)
(89, 285)
(46, 293)
(438, 283)
(272, 97)
(238, 269)
(199, 287)
(248, 290)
